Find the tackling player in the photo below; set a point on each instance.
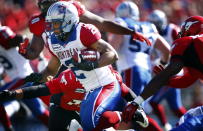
(172, 95)
(187, 54)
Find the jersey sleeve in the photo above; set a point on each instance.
(185, 80)
(5, 34)
(80, 8)
(37, 25)
(89, 34)
(178, 48)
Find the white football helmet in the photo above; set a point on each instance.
(65, 13)
(158, 18)
(128, 9)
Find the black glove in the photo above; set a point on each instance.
(7, 95)
(33, 77)
(85, 65)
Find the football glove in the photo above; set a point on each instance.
(23, 46)
(140, 37)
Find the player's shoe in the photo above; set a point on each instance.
(75, 126)
(140, 118)
(167, 127)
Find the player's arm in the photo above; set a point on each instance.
(110, 26)
(184, 80)
(108, 53)
(152, 87)
(51, 68)
(25, 93)
(104, 24)
(162, 45)
(162, 78)
(32, 50)
(14, 42)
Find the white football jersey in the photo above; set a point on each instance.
(168, 34)
(133, 52)
(80, 36)
(14, 64)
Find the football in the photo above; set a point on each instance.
(87, 54)
(90, 54)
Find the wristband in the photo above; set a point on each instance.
(138, 100)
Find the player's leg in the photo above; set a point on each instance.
(153, 125)
(60, 118)
(5, 120)
(136, 78)
(175, 102)
(38, 109)
(157, 107)
(98, 109)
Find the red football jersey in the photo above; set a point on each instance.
(5, 34)
(37, 22)
(189, 50)
(73, 91)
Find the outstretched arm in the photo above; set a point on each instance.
(25, 93)
(110, 26)
(152, 87)
(161, 79)
(104, 24)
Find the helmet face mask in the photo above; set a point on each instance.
(191, 26)
(61, 18)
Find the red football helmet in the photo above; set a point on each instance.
(192, 26)
(45, 4)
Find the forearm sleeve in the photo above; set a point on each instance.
(35, 91)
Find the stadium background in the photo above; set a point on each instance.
(16, 14)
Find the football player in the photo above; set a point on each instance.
(17, 68)
(134, 55)
(187, 54)
(37, 27)
(172, 95)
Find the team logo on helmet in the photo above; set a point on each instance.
(189, 24)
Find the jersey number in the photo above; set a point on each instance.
(135, 46)
(74, 102)
(5, 62)
(74, 69)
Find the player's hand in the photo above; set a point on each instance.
(23, 46)
(129, 111)
(84, 64)
(157, 69)
(140, 37)
(33, 77)
(7, 95)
